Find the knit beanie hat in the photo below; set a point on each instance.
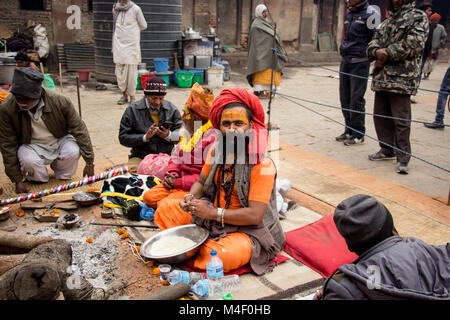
(363, 222)
(155, 86)
(27, 83)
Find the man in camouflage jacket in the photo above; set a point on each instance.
(397, 49)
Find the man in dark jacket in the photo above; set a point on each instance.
(39, 127)
(150, 125)
(359, 26)
(396, 48)
(388, 266)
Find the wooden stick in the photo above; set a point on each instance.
(60, 78)
(123, 225)
(78, 94)
(42, 70)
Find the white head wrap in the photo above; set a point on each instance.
(259, 10)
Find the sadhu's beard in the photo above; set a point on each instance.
(233, 147)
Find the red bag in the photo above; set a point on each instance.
(154, 165)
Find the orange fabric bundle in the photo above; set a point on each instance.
(3, 96)
(168, 213)
(199, 102)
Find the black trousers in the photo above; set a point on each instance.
(351, 94)
(393, 132)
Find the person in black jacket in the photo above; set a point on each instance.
(360, 23)
(150, 125)
(388, 266)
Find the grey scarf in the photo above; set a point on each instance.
(117, 9)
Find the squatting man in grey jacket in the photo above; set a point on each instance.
(389, 267)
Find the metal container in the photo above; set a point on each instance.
(4, 213)
(6, 72)
(190, 231)
(202, 62)
(160, 40)
(189, 61)
(86, 198)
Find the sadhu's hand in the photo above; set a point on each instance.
(200, 208)
(186, 201)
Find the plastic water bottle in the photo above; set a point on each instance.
(183, 276)
(227, 284)
(214, 267)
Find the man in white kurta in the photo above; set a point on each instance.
(128, 23)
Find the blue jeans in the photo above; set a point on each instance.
(442, 98)
(351, 94)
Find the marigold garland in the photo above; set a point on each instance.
(188, 146)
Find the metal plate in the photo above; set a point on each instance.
(190, 231)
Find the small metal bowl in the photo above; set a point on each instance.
(86, 198)
(190, 231)
(68, 224)
(4, 213)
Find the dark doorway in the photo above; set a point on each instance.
(327, 25)
(227, 21)
(32, 5)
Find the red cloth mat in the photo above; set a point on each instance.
(189, 266)
(320, 246)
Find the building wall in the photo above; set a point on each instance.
(53, 18)
(297, 21)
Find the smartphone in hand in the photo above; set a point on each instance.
(167, 125)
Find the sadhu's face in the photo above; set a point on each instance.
(234, 119)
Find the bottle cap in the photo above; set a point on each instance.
(228, 296)
(213, 252)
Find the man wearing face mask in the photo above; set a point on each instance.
(39, 127)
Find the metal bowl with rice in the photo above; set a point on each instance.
(190, 231)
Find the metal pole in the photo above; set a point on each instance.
(272, 78)
(78, 93)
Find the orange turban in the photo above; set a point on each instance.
(199, 102)
(435, 16)
(259, 136)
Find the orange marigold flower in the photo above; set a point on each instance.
(89, 240)
(150, 264)
(155, 270)
(20, 212)
(124, 235)
(120, 231)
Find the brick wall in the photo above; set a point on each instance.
(12, 17)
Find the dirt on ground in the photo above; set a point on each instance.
(108, 262)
